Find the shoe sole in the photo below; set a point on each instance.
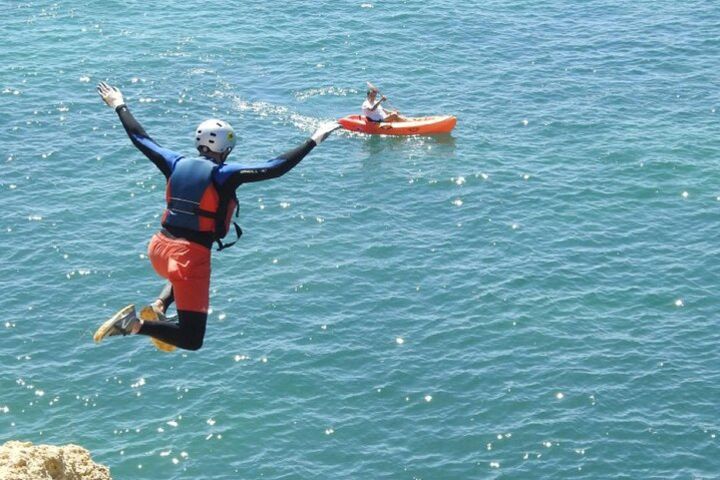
(105, 327)
(148, 313)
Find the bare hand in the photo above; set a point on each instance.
(110, 95)
(383, 98)
(324, 131)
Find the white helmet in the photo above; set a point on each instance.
(214, 135)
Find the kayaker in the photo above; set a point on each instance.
(201, 200)
(374, 112)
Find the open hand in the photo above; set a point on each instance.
(110, 95)
(324, 131)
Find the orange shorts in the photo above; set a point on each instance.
(187, 266)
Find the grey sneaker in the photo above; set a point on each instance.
(122, 323)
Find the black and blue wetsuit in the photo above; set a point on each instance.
(189, 331)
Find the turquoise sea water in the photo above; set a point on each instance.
(534, 296)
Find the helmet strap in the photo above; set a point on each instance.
(215, 157)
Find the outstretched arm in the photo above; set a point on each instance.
(237, 174)
(163, 158)
(271, 169)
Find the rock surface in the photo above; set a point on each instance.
(25, 461)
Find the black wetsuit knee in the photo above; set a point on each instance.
(192, 325)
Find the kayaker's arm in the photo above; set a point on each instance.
(377, 104)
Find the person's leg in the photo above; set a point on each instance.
(187, 333)
(126, 321)
(165, 299)
(187, 266)
(395, 117)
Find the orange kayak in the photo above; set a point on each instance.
(414, 126)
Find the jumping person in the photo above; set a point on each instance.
(374, 112)
(201, 200)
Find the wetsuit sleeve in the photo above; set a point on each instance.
(163, 158)
(235, 173)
